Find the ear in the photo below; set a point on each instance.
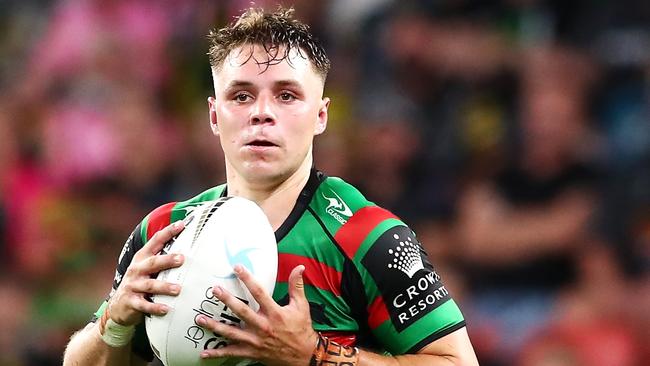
(321, 121)
(212, 107)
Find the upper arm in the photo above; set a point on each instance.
(405, 295)
(455, 346)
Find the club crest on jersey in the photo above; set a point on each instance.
(337, 208)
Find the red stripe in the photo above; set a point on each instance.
(159, 219)
(351, 235)
(316, 273)
(377, 313)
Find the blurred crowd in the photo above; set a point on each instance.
(512, 135)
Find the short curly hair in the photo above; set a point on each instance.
(275, 32)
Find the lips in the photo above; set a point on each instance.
(260, 142)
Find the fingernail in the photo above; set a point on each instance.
(178, 258)
(201, 320)
(175, 289)
(301, 270)
(164, 309)
(238, 269)
(178, 224)
(205, 355)
(217, 291)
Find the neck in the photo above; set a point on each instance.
(275, 198)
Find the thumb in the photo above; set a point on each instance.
(297, 286)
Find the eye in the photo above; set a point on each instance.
(287, 97)
(242, 97)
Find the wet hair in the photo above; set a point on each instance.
(278, 33)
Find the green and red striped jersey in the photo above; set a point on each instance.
(368, 280)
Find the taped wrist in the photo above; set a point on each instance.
(329, 353)
(114, 334)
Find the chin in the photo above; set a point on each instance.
(265, 173)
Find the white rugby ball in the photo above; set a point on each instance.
(217, 235)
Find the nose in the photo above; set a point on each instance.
(262, 111)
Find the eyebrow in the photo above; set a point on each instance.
(288, 82)
(236, 84)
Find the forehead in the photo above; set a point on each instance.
(254, 61)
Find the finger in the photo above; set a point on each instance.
(157, 263)
(297, 287)
(231, 350)
(232, 332)
(257, 291)
(238, 307)
(148, 307)
(155, 287)
(161, 237)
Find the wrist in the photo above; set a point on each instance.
(113, 333)
(331, 353)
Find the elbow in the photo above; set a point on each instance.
(68, 359)
(72, 350)
(467, 361)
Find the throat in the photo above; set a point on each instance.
(279, 204)
(276, 201)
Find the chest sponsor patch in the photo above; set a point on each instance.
(408, 284)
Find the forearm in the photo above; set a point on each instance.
(87, 348)
(452, 349)
(367, 358)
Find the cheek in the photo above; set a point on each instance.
(226, 125)
(301, 139)
(304, 123)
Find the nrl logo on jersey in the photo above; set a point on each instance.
(337, 208)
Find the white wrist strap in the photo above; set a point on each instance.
(117, 335)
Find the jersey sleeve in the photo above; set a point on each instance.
(407, 304)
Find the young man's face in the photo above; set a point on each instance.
(267, 115)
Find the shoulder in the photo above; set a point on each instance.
(170, 212)
(351, 217)
(338, 199)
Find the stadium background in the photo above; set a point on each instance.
(513, 135)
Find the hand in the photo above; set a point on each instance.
(129, 302)
(275, 335)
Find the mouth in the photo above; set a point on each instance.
(261, 143)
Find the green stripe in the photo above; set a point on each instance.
(312, 244)
(443, 317)
(143, 230)
(333, 188)
(374, 234)
(178, 211)
(177, 214)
